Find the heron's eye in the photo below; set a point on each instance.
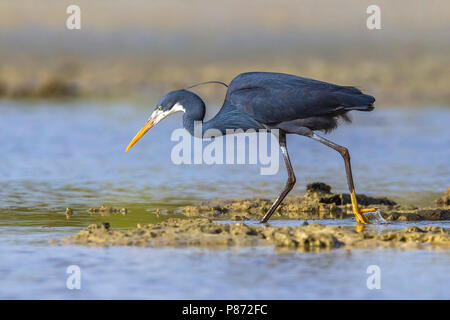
(159, 108)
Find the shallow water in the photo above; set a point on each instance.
(243, 273)
(72, 155)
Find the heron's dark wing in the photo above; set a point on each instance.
(276, 97)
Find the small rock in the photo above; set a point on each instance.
(69, 213)
(318, 187)
(444, 200)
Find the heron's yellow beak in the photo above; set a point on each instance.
(155, 118)
(150, 123)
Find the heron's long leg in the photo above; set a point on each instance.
(290, 182)
(348, 169)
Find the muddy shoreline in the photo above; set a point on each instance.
(196, 228)
(319, 202)
(202, 232)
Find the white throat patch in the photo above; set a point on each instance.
(178, 107)
(159, 115)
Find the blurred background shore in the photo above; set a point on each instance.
(71, 100)
(133, 49)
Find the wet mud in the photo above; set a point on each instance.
(196, 228)
(202, 232)
(318, 203)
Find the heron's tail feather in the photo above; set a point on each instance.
(360, 108)
(355, 101)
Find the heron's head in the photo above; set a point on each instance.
(174, 101)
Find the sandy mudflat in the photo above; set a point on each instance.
(318, 203)
(206, 233)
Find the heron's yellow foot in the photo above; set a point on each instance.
(368, 210)
(360, 227)
(359, 213)
(360, 216)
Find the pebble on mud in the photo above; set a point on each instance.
(69, 213)
(444, 200)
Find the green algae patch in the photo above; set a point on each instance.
(202, 232)
(105, 211)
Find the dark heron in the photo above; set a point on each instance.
(265, 100)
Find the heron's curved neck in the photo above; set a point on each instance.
(188, 123)
(193, 115)
(228, 117)
(190, 120)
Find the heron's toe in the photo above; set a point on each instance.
(361, 218)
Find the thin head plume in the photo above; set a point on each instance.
(207, 82)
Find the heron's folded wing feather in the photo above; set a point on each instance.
(273, 101)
